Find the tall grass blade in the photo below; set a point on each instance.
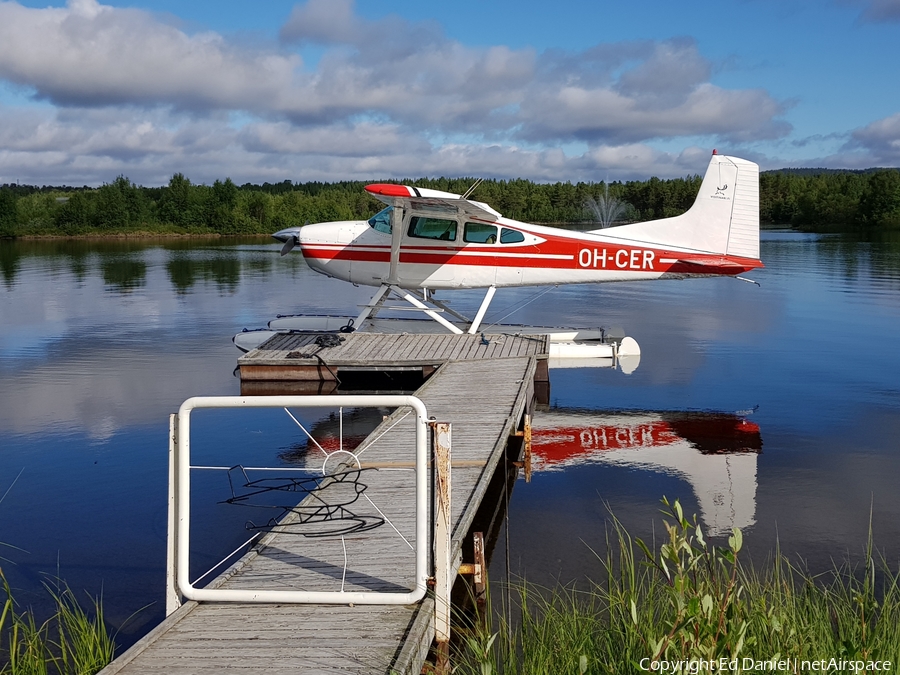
(85, 646)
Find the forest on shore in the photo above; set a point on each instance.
(802, 198)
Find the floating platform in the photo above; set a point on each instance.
(305, 357)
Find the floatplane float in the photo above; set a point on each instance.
(428, 240)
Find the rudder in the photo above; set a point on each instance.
(743, 235)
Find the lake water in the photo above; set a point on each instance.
(99, 342)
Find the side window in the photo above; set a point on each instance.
(480, 233)
(432, 228)
(381, 221)
(508, 236)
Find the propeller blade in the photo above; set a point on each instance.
(288, 245)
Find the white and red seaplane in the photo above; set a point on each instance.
(428, 240)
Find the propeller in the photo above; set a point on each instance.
(288, 245)
(290, 237)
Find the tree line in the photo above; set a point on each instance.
(813, 198)
(801, 198)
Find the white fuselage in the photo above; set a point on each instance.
(356, 252)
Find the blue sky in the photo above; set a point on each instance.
(336, 89)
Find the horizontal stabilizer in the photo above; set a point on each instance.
(712, 262)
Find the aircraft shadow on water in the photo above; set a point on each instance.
(319, 506)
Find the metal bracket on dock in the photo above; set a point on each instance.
(525, 435)
(478, 571)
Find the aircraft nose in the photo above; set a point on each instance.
(318, 233)
(286, 234)
(290, 236)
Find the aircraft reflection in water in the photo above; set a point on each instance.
(715, 452)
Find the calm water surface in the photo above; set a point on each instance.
(99, 342)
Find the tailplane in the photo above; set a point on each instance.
(724, 218)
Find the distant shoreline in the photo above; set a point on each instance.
(143, 236)
(869, 200)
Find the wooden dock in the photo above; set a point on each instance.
(485, 398)
(298, 357)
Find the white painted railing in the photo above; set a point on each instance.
(179, 584)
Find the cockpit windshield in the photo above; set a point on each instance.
(381, 221)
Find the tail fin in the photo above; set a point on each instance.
(724, 218)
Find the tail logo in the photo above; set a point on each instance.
(720, 192)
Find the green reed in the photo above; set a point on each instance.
(71, 642)
(82, 644)
(691, 602)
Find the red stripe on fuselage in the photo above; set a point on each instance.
(553, 253)
(488, 258)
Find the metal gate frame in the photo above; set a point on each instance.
(178, 581)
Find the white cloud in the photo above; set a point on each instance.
(881, 139)
(86, 146)
(131, 93)
(91, 54)
(365, 138)
(606, 115)
(669, 71)
(877, 144)
(874, 11)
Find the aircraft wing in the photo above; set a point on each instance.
(424, 199)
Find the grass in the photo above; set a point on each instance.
(71, 642)
(688, 604)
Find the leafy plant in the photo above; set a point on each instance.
(706, 614)
(28, 653)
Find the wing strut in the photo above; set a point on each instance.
(418, 301)
(372, 307)
(415, 302)
(481, 310)
(396, 236)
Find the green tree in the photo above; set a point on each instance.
(220, 206)
(181, 203)
(37, 212)
(9, 217)
(111, 212)
(260, 209)
(880, 202)
(74, 214)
